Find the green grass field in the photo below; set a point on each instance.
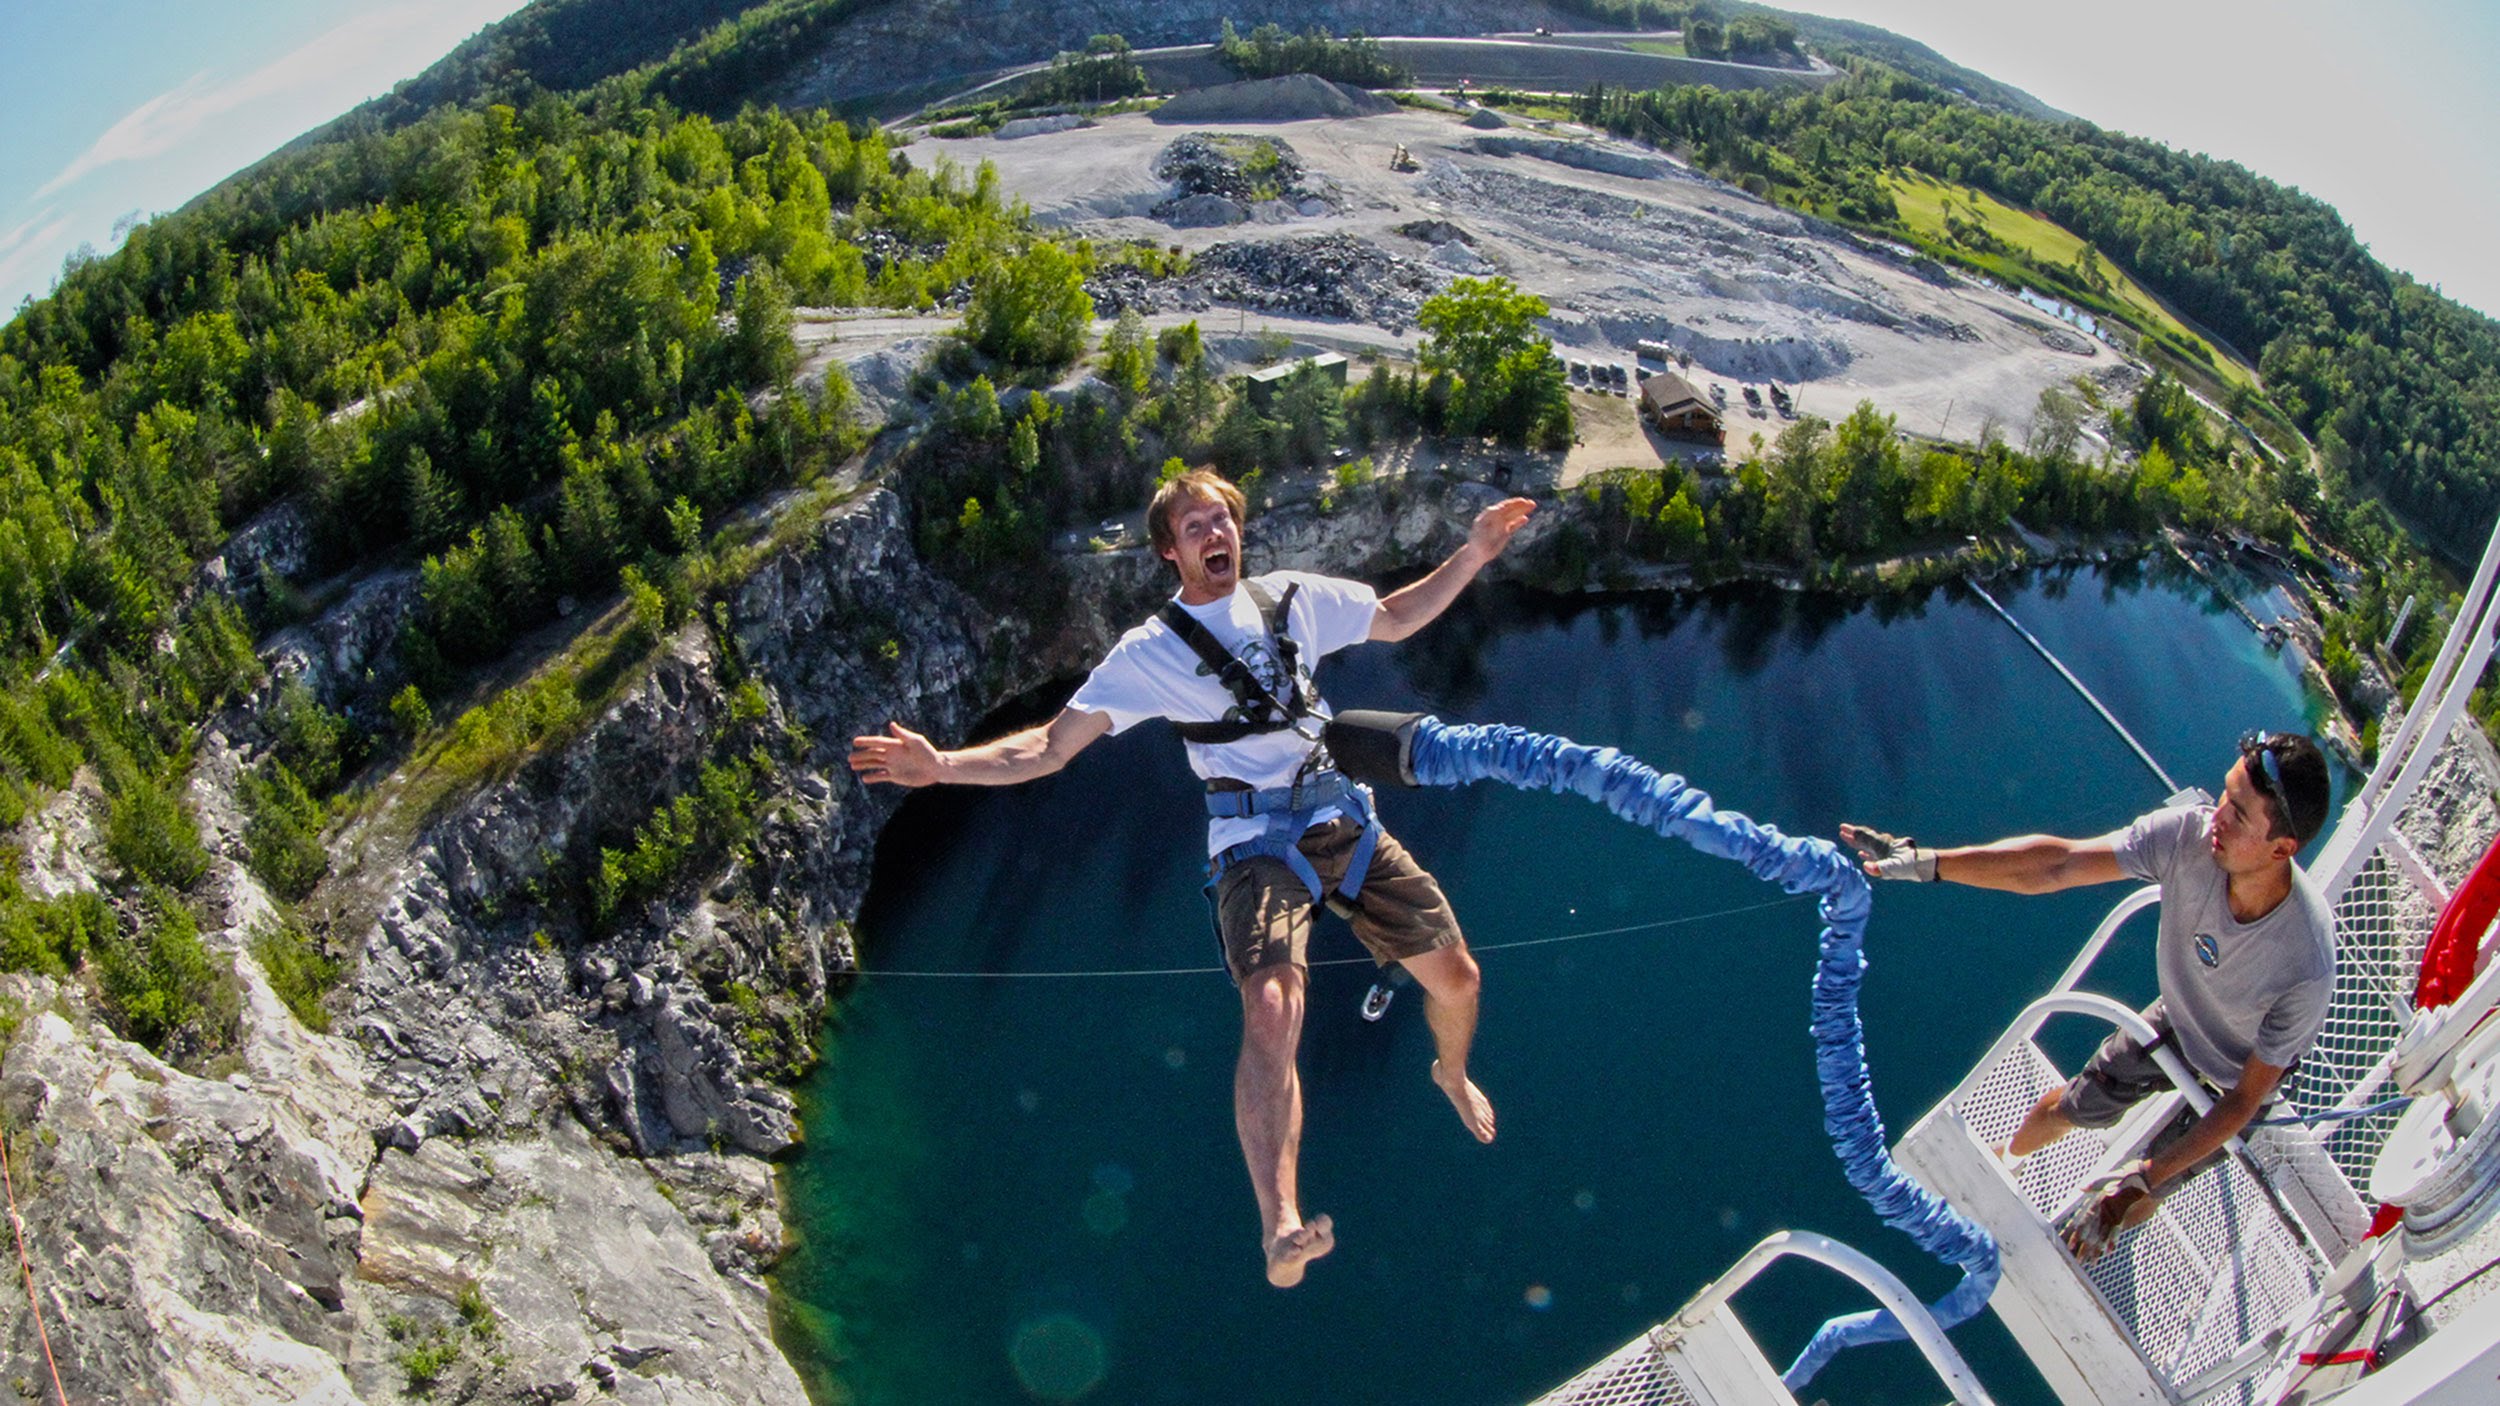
(1671, 48)
(2032, 246)
(1541, 107)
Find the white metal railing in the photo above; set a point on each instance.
(1705, 1357)
(2406, 756)
(1924, 1332)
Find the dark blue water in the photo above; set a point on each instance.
(1019, 1190)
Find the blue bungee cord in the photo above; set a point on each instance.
(1412, 750)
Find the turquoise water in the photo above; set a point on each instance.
(1021, 1190)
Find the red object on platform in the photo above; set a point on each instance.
(2448, 958)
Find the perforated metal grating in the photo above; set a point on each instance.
(2381, 922)
(1635, 1374)
(2048, 1178)
(2213, 1271)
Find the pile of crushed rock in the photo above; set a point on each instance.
(1227, 179)
(1322, 275)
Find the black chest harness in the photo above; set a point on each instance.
(1289, 810)
(1255, 710)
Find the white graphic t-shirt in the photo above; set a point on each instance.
(1153, 673)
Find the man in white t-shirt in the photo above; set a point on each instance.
(1229, 659)
(2245, 957)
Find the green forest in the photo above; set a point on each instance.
(516, 348)
(2398, 387)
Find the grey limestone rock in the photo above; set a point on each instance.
(1203, 212)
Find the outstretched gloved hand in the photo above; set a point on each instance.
(1890, 856)
(2092, 1227)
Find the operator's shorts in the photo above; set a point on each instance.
(2122, 1074)
(1263, 913)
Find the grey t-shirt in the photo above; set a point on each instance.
(2232, 989)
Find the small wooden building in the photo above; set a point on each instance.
(1263, 382)
(1675, 407)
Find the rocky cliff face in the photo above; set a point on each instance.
(532, 1162)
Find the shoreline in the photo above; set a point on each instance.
(2012, 549)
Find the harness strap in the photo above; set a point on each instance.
(1255, 711)
(1290, 811)
(1302, 797)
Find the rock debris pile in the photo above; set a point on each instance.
(1320, 275)
(879, 247)
(1295, 97)
(1674, 246)
(1584, 156)
(1224, 180)
(1117, 289)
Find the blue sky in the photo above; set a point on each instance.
(116, 107)
(2387, 111)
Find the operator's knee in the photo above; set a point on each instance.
(1271, 1006)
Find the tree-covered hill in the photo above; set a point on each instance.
(2398, 386)
(1841, 40)
(519, 351)
(1835, 40)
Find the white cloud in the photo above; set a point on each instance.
(337, 68)
(24, 249)
(151, 129)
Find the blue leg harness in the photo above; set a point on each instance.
(1433, 753)
(1289, 811)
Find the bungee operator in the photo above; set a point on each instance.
(2245, 958)
(1229, 660)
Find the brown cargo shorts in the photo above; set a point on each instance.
(2122, 1074)
(1263, 913)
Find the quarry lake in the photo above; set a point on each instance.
(1027, 1188)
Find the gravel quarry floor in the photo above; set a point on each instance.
(1623, 242)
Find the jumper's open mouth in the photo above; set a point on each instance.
(1217, 563)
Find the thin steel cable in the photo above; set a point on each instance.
(1685, 921)
(2169, 786)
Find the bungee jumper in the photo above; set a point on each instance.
(1228, 659)
(1292, 828)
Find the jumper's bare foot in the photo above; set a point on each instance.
(1474, 1109)
(1292, 1252)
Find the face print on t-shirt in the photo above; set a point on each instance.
(1260, 656)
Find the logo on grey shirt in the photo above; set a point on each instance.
(2208, 949)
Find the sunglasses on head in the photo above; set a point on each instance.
(2265, 773)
